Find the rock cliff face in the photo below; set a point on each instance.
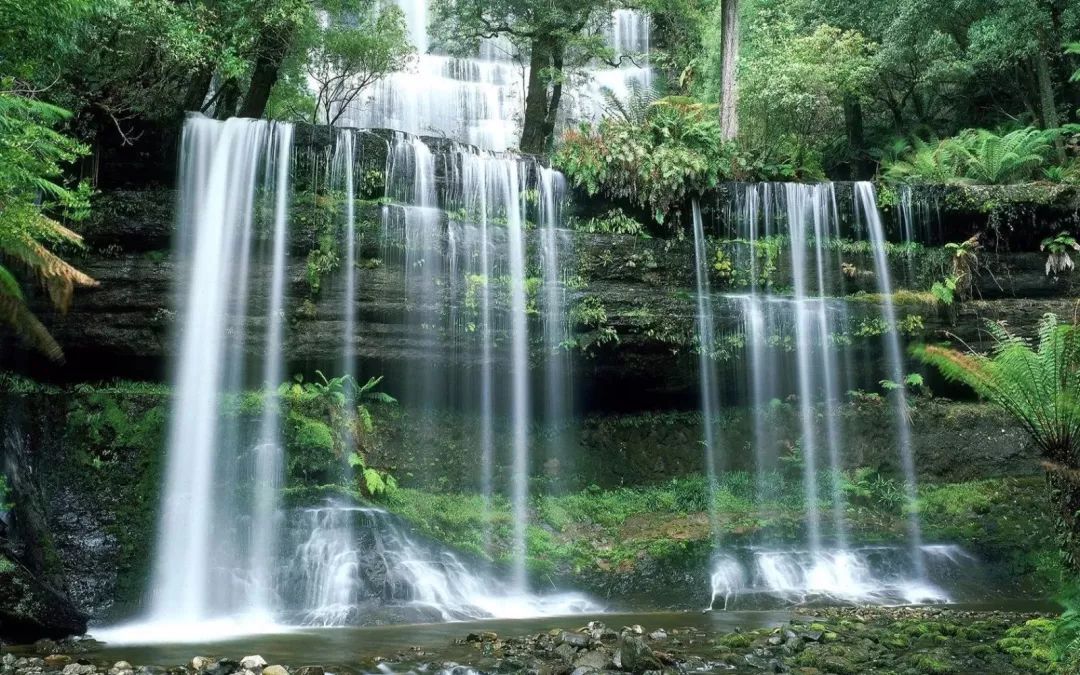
(644, 287)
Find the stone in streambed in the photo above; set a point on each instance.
(57, 660)
(275, 670)
(565, 652)
(200, 663)
(78, 669)
(310, 670)
(578, 640)
(223, 667)
(634, 655)
(594, 660)
(254, 662)
(658, 635)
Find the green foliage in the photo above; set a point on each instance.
(1036, 386)
(674, 151)
(975, 156)
(32, 193)
(614, 221)
(1057, 249)
(352, 52)
(1065, 639)
(321, 261)
(793, 85)
(330, 426)
(590, 314)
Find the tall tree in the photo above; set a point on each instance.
(729, 84)
(350, 54)
(556, 36)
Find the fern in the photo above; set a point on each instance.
(1040, 386)
(993, 159)
(634, 107)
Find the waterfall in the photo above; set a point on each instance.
(336, 577)
(199, 572)
(344, 164)
(519, 359)
(816, 365)
(558, 389)
(867, 203)
(478, 100)
(269, 459)
(710, 403)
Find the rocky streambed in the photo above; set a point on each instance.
(819, 641)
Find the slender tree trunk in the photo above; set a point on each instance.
(533, 131)
(552, 116)
(270, 53)
(729, 85)
(227, 98)
(853, 121)
(197, 89)
(1047, 102)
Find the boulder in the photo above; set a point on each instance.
(310, 670)
(31, 610)
(254, 662)
(275, 670)
(577, 640)
(634, 655)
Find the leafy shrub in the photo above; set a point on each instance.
(655, 162)
(614, 221)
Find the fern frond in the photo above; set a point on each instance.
(15, 313)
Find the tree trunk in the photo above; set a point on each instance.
(533, 131)
(853, 121)
(729, 85)
(1047, 103)
(552, 116)
(227, 97)
(197, 89)
(270, 53)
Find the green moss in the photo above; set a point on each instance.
(932, 663)
(734, 640)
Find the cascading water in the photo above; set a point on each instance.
(385, 574)
(867, 204)
(478, 100)
(558, 378)
(198, 575)
(820, 363)
(710, 402)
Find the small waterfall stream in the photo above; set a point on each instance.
(817, 367)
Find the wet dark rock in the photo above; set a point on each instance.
(224, 667)
(634, 655)
(30, 609)
(577, 640)
(310, 670)
(596, 659)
